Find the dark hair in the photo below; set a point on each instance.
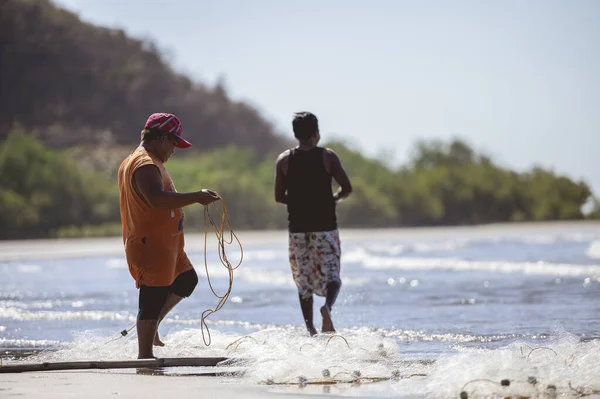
(152, 134)
(305, 124)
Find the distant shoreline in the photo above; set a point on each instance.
(52, 248)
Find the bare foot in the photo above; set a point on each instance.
(157, 341)
(327, 322)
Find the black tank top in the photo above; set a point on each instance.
(311, 206)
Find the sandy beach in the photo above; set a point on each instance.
(11, 250)
(95, 384)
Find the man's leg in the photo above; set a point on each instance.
(306, 304)
(146, 330)
(333, 290)
(299, 262)
(170, 303)
(151, 301)
(182, 287)
(329, 261)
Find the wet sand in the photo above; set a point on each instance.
(94, 384)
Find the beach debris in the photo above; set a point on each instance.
(532, 380)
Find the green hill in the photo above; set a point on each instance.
(69, 81)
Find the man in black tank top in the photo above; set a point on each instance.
(303, 182)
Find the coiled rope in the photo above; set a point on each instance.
(220, 232)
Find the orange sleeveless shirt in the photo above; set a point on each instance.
(153, 238)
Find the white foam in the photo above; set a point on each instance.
(46, 304)
(116, 263)
(20, 314)
(593, 250)
(411, 335)
(271, 277)
(538, 268)
(394, 248)
(356, 255)
(285, 354)
(565, 360)
(24, 268)
(442, 246)
(15, 313)
(257, 255)
(232, 256)
(543, 238)
(26, 343)
(256, 275)
(580, 236)
(41, 304)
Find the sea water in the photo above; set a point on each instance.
(422, 312)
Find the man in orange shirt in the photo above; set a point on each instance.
(152, 221)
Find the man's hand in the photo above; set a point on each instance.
(207, 197)
(334, 166)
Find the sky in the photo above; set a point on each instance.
(519, 80)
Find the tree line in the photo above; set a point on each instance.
(47, 192)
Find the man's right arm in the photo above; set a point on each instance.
(148, 182)
(339, 174)
(280, 172)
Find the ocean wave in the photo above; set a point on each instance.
(395, 248)
(8, 343)
(25, 268)
(284, 355)
(593, 251)
(535, 268)
(20, 314)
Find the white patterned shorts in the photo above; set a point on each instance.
(315, 261)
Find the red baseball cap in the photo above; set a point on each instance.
(168, 123)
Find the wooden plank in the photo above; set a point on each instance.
(114, 364)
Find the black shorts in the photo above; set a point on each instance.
(152, 299)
